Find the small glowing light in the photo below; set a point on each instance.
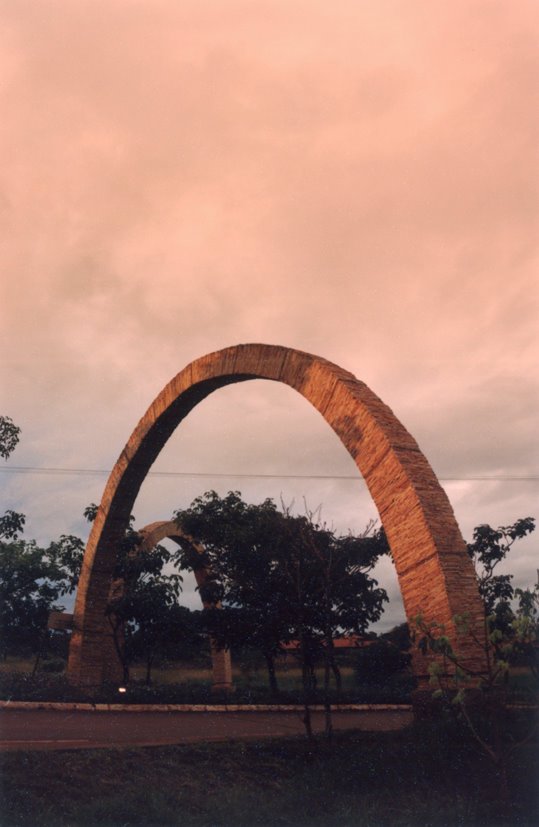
(122, 689)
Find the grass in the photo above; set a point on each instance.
(20, 686)
(18, 665)
(427, 776)
(191, 683)
(288, 676)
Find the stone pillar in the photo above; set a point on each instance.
(221, 669)
(95, 651)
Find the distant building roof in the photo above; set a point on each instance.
(349, 642)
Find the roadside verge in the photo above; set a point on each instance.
(89, 707)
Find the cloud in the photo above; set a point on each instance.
(359, 182)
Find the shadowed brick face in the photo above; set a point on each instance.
(436, 576)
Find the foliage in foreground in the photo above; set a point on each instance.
(483, 700)
(429, 776)
(271, 579)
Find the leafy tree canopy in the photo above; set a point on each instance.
(490, 546)
(280, 577)
(9, 436)
(30, 583)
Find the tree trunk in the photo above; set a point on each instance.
(272, 677)
(336, 673)
(329, 662)
(149, 664)
(504, 793)
(307, 719)
(306, 674)
(40, 647)
(36, 661)
(327, 702)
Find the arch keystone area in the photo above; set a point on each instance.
(435, 574)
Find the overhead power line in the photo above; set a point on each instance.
(97, 472)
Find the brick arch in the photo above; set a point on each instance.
(435, 574)
(155, 533)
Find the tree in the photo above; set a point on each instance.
(30, 579)
(281, 578)
(11, 523)
(30, 583)
(385, 658)
(331, 580)
(525, 642)
(331, 593)
(144, 612)
(483, 701)
(33, 578)
(164, 631)
(9, 436)
(241, 574)
(142, 609)
(489, 548)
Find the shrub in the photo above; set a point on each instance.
(47, 686)
(55, 665)
(380, 664)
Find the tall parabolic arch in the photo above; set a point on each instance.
(436, 577)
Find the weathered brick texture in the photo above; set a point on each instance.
(436, 576)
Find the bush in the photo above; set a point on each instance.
(18, 686)
(55, 665)
(380, 664)
(54, 687)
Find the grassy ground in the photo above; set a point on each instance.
(192, 684)
(426, 777)
(16, 665)
(288, 677)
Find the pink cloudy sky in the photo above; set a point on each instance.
(353, 179)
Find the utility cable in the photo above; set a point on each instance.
(94, 472)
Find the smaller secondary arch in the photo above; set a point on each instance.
(155, 533)
(151, 535)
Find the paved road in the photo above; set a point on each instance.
(40, 729)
